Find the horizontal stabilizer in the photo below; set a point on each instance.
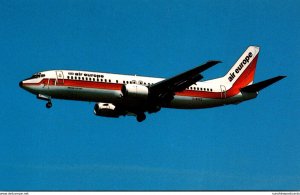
(261, 85)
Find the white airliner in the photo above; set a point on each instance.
(116, 94)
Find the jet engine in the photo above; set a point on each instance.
(106, 110)
(134, 91)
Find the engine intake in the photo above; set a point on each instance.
(106, 110)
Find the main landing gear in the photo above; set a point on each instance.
(141, 117)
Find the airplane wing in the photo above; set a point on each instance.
(165, 89)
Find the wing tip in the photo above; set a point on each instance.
(278, 78)
(214, 62)
(282, 76)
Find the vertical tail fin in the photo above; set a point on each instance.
(242, 72)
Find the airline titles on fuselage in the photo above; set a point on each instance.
(85, 74)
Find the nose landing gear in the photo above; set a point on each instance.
(47, 98)
(49, 104)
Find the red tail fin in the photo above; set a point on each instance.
(242, 72)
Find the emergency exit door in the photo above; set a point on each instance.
(223, 91)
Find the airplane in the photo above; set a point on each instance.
(118, 95)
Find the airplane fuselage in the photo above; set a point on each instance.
(117, 94)
(106, 87)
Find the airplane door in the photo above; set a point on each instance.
(223, 91)
(46, 83)
(59, 78)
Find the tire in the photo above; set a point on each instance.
(141, 117)
(48, 105)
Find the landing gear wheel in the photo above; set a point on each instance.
(49, 105)
(141, 117)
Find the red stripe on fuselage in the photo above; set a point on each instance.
(77, 83)
(115, 86)
(93, 84)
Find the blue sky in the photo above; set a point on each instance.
(252, 146)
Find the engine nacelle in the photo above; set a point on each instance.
(135, 91)
(106, 110)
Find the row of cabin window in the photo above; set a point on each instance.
(88, 79)
(128, 82)
(102, 80)
(200, 89)
(134, 82)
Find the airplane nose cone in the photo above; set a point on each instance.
(21, 84)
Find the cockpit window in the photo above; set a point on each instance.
(38, 75)
(35, 76)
